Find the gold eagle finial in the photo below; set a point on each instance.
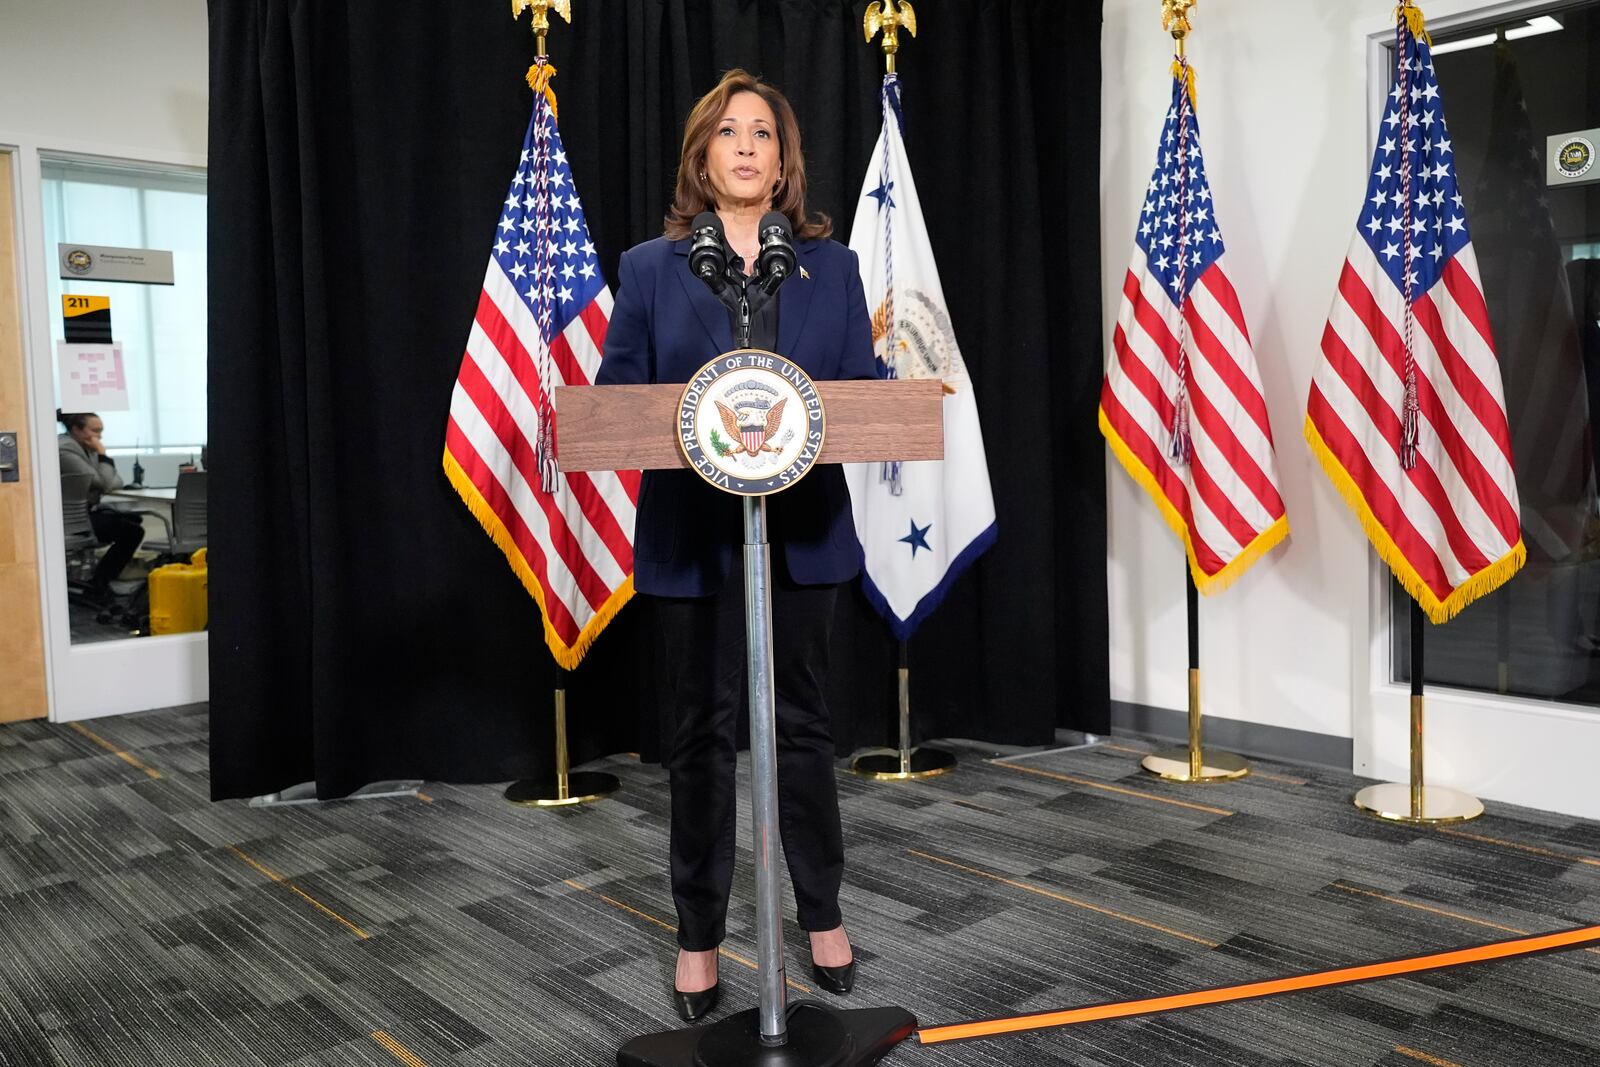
(1175, 19)
(541, 15)
(887, 16)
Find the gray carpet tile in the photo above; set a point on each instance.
(142, 924)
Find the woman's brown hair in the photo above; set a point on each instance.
(694, 193)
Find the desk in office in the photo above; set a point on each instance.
(153, 499)
(153, 495)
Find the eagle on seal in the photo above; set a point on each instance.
(750, 436)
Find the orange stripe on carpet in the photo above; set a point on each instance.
(1423, 1057)
(1499, 950)
(1108, 787)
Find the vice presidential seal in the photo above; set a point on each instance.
(751, 422)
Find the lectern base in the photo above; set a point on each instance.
(818, 1037)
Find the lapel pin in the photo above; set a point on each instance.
(805, 274)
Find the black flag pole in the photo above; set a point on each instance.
(1415, 801)
(1194, 763)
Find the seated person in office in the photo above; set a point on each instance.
(83, 453)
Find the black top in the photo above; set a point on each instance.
(763, 322)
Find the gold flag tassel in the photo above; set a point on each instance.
(539, 76)
(1413, 16)
(1183, 70)
(1175, 20)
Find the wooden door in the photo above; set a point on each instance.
(22, 666)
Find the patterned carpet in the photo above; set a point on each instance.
(141, 924)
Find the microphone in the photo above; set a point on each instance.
(708, 254)
(775, 261)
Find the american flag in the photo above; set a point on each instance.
(1407, 413)
(1182, 406)
(541, 322)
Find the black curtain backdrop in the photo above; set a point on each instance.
(362, 625)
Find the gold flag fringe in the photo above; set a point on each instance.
(567, 656)
(1484, 582)
(1260, 545)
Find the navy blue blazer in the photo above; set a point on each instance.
(665, 326)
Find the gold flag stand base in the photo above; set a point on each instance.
(1417, 802)
(566, 788)
(1176, 765)
(580, 788)
(891, 764)
(1392, 800)
(903, 764)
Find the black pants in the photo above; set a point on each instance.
(123, 532)
(705, 657)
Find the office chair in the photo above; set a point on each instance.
(76, 527)
(186, 525)
(189, 514)
(81, 546)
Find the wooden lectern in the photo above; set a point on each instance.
(599, 428)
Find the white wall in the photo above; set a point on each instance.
(1282, 90)
(1284, 100)
(108, 78)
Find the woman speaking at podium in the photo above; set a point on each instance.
(741, 159)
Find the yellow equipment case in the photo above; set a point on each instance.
(178, 597)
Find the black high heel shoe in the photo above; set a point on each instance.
(694, 1006)
(836, 980)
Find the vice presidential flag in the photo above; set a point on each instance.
(1181, 405)
(541, 322)
(1407, 413)
(920, 524)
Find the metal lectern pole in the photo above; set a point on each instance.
(773, 1034)
(764, 770)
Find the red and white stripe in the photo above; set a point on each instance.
(1448, 526)
(1224, 501)
(573, 548)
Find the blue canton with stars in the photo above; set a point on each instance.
(542, 241)
(1438, 227)
(1165, 232)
